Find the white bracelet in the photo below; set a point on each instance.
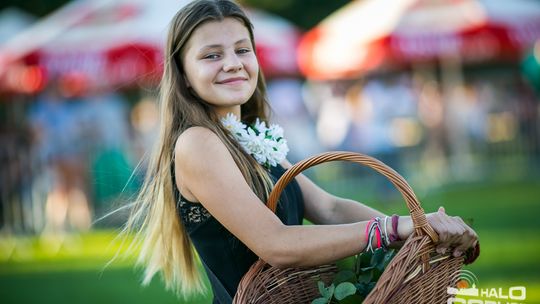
(385, 236)
(371, 229)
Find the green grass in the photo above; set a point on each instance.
(71, 269)
(82, 286)
(88, 251)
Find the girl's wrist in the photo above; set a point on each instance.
(405, 227)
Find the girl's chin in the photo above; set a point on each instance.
(235, 101)
(229, 103)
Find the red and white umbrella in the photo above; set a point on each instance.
(378, 34)
(118, 43)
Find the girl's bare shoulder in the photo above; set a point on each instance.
(198, 146)
(196, 138)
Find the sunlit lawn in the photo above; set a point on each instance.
(70, 269)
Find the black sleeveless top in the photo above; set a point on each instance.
(225, 258)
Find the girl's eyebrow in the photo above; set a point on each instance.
(216, 46)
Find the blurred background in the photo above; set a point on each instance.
(445, 91)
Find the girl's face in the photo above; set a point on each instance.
(220, 64)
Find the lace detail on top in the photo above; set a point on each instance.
(193, 213)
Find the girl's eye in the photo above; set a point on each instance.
(211, 56)
(243, 51)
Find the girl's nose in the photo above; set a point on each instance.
(232, 63)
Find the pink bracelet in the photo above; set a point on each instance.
(373, 226)
(367, 230)
(378, 235)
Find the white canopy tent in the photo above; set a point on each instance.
(118, 43)
(379, 34)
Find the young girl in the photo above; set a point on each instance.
(206, 188)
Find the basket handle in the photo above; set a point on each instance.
(418, 215)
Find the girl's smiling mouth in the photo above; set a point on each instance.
(232, 80)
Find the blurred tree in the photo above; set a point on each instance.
(37, 8)
(303, 13)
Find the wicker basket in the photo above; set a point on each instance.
(415, 275)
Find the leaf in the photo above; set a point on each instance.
(365, 289)
(368, 267)
(330, 290)
(326, 292)
(364, 259)
(320, 301)
(365, 277)
(344, 290)
(389, 256)
(345, 276)
(378, 256)
(346, 263)
(322, 289)
(376, 274)
(362, 289)
(352, 299)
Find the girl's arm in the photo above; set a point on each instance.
(205, 168)
(324, 208)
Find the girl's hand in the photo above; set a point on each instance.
(454, 234)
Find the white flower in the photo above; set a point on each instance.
(275, 131)
(260, 126)
(266, 145)
(231, 123)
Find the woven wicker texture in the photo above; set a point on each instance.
(415, 275)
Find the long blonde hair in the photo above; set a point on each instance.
(165, 245)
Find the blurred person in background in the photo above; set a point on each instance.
(209, 174)
(55, 119)
(15, 200)
(107, 144)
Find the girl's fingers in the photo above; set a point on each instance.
(440, 226)
(456, 232)
(466, 239)
(463, 244)
(453, 233)
(449, 228)
(441, 249)
(472, 237)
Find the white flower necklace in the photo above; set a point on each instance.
(265, 144)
